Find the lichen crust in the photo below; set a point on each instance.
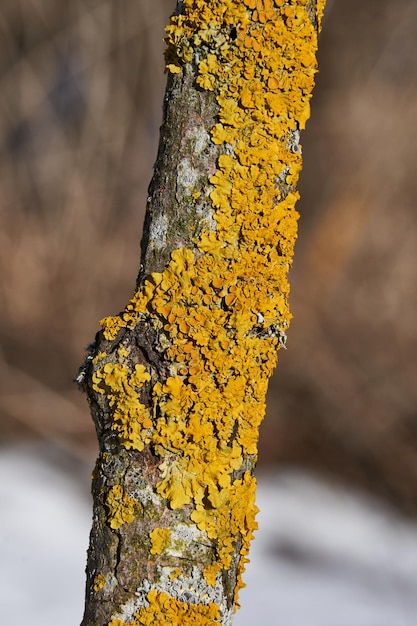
(121, 507)
(220, 308)
(163, 609)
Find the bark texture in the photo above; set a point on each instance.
(177, 381)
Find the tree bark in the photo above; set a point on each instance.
(176, 383)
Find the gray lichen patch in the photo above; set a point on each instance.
(200, 139)
(187, 539)
(147, 496)
(158, 230)
(191, 589)
(187, 178)
(293, 142)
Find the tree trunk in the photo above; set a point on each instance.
(177, 381)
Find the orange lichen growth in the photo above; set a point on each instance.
(99, 582)
(221, 309)
(175, 573)
(233, 514)
(320, 6)
(161, 539)
(132, 420)
(121, 507)
(99, 357)
(163, 609)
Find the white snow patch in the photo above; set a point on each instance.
(327, 556)
(323, 556)
(45, 522)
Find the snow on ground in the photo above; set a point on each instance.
(328, 557)
(44, 529)
(323, 556)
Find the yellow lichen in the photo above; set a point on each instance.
(160, 539)
(320, 6)
(132, 419)
(175, 573)
(233, 514)
(222, 307)
(99, 357)
(121, 507)
(163, 609)
(99, 582)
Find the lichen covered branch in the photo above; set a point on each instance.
(177, 381)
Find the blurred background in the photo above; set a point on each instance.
(81, 88)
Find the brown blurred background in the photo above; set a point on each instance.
(81, 87)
